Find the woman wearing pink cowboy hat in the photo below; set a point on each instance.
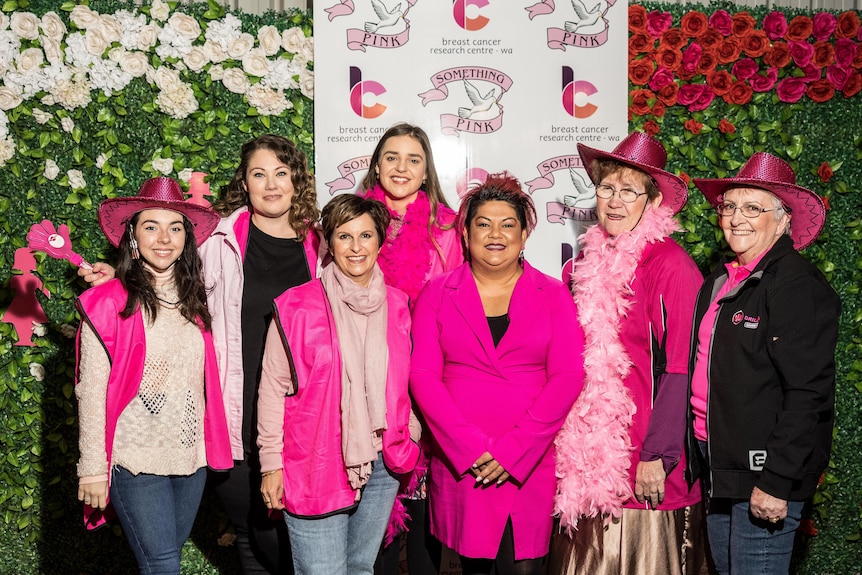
(763, 368)
(623, 503)
(149, 400)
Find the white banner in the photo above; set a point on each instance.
(496, 84)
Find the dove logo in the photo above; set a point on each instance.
(358, 90)
(459, 11)
(576, 94)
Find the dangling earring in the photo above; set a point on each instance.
(521, 258)
(133, 243)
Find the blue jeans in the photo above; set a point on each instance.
(741, 544)
(157, 513)
(345, 543)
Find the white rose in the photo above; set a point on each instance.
(164, 165)
(29, 60)
(147, 37)
(214, 52)
(52, 26)
(306, 84)
(267, 102)
(196, 59)
(307, 50)
(7, 150)
(37, 370)
(4, 21)
(184, 175)
(216, 72)
(40, 329)
(68, 331)
(135, 64)
(53, 50)
(269, 40)
(9, 98)
(235, 81)
(110, 28)
(47, 100)
(83, 17)
(293, 39)
(25, 25)
(51, 170)
(67, 124)
(185, 25)
(40, 116)
(101, 159)
(239, 47)
(255, 63)
(159, 10)
(96, 43)
(166, 78)
(76, 179)
(177, 102)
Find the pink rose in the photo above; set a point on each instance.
(790, 90)
(775, 25)
(801, 52)
(721, 21)
(824, 25)
(691, 57)
(845, 52)
(703, 100)
(838, 76)
(689, 93)
(811, 73)
(660, 79)
(658, 22)
(744, 69)
(765, 83)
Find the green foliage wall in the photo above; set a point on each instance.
(40, 527)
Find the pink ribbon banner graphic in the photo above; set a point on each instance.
(548, 167)
(343, 8)
(358, 39)
(347, 169)
(452, 125)
(469, 73)
(541, 8)
(558, 213)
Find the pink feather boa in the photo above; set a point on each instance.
(593, 448)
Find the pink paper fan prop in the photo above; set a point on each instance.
(44, 237)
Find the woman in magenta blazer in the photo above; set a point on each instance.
(496, 367)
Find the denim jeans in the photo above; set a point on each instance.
(741, 544)
(157, 513)
(345, 543)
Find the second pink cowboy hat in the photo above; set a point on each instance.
(771, 173)
(645, 153)
(154, 194)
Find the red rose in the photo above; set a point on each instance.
(726, 127)
(799, 29)
(775, 25)
(651, 127)
(825, 200)
(708, 62)
(845, 52)
(764, 83)
(720, 82)
(694, 24)
(660, 79)
(710, 39)
(668, 94)
(637, 18)
(838, 76)
(671, 38)
(693, 126)
(744, 69)
(810, 73)
(790, 89)
(740, 93)
(658, 22)
(778, 56)
(691, 57)
(721, 21)
(685, 178)
(857, 61)
(848, 24)
(806, 526)
(822, 25)
(824, 54)
(640, 71)
(820, 91)
(658, 109)
(825, 172)
(729, 50)
(802, 53)
(640, 44)
(742, 24)
(641, 101)
(668, 58)
(756, 44)
(853, 85)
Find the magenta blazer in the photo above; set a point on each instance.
(510, 401)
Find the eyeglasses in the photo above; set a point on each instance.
(749, 211)
(627, 195)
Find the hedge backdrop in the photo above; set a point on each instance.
(713, 83)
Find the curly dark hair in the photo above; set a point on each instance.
(346, 207)
(188, 278)
(500, 187)
(303, 213)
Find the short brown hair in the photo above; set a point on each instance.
(346, 207)
(601, 169)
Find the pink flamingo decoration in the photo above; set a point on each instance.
(44, 237)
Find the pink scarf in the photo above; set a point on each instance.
(364, 361)
(593, 448)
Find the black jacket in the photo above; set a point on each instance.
(771, 375)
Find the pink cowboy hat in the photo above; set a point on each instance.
(154, 194)
(770, 173)
(645, 153)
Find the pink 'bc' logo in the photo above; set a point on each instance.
(459, 11)
(572, 89)
(358, 89)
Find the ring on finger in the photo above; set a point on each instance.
(774, 519)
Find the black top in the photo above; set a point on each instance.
(271, 266)
(498, 325)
